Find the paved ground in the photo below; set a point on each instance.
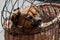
(2, 35)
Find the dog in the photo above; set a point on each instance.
(30, 18)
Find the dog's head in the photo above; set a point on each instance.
(18, 18)
(34, 16)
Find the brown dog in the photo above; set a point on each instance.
(46, 12)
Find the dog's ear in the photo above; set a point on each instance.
(33, 10)
(30, 14)
(25, 10)
(8, 24)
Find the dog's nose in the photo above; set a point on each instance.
(37, 21)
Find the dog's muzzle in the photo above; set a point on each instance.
(36, 21)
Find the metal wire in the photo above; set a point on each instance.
(13, 6)
(30, 7)
(22, 4)
(18, 3)
(2, 13)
